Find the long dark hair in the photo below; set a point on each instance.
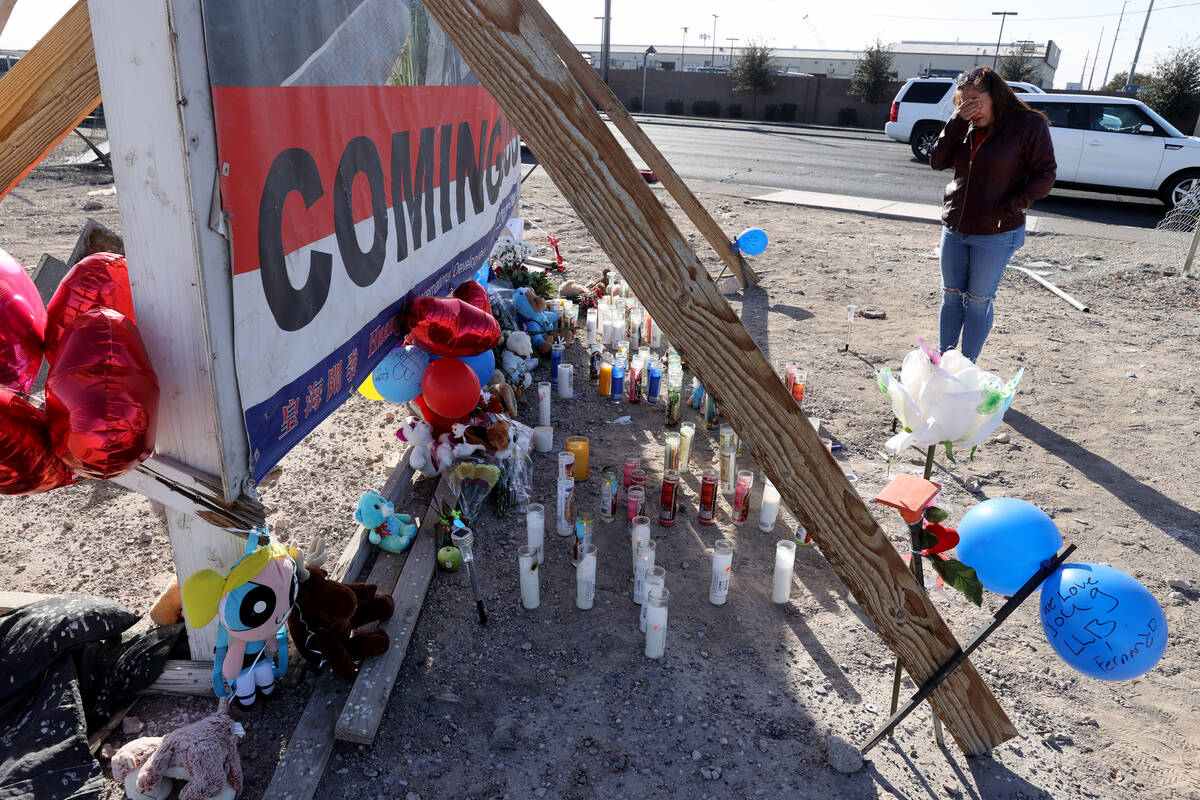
(1004, 102)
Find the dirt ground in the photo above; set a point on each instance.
(558, 702)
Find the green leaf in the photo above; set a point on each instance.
(960, 576)
(928, 540)
(950, 452)
(935, 514)
(972, 454)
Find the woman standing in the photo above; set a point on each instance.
(1003, 161)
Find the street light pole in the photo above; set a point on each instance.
(607, 56)
(731, 41)
(649, 51)
(714, 50)
(683, 50)
(1002, 15)
(1108, 66)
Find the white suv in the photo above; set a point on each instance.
(922, 107)
(1119, 145)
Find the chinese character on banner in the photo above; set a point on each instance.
(334, 380)
(313, 401)
(351, 366)
(291, 416)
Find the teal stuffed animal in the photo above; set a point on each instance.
(391, 531)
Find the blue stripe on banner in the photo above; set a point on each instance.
(277, 424)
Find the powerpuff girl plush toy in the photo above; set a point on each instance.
(252, 604)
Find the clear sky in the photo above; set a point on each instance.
(845, 25)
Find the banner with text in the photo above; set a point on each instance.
(361, 165)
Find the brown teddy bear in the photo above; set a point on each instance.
(326, 613)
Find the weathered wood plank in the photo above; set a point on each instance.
(595, 86)
(49, 91)
(368, 699)
(183, 679)
(303, 762)
(501, 41)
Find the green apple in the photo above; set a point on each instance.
(449, 558)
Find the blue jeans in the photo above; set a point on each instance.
(972, 266)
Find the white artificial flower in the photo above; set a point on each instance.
(945, 398)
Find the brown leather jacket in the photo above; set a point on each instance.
(1013, 167)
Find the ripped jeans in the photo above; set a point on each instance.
(972, 266)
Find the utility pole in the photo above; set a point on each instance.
(1083, 71)
(731, 41)
(714, 50)
(606, 47)
(683, 50)
(1133, 67)
(1002, 15)
(1092, 77)
(1114, 46)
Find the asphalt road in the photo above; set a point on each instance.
(849, 162)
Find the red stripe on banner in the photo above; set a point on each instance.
(282, 147)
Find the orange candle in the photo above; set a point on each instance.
(579, 446)
(605, 388)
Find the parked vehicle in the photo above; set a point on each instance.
(922, 107)
(1120, 145)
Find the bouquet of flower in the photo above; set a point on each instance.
(508, 254)
(472, 482)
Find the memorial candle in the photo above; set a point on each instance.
(768, 512)
(741, 496)
(565, 521)
(566, 465)
(595, 358)
(712, 415)
(798, 383)
(654, 333)
(566, 389)
(543, 438)
(527, 561)
(535, 528)
(635, 327)
(589, 336)
(656, 623)
(632, 462)
(639, 531)
(606, 329)
(674, 395)
(706, 509)
(671, 452)
(654, 382)
(643, 562)
(785, 560)
(687, 432)
(585, 577)
(636, 502)
(670, 499)
(728, 470)
(608, 495)
(721, 570)
(633, 380)
(618, 381)
(556, 356)
(579, 447)
(544, 391)
(656, 578)
(585, 525)
(606, 371)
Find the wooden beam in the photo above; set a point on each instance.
(501, 41)
(368, 699)
(182, 678)
(49, 91)
(6, 8)
(595, 86)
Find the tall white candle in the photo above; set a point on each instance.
(585, 577)
(656, 578)
(721, 570)
(566, 507)
(528, 564)
(645, 562)
(635, 327)
(768, 512)
(535, 528)
(639, 531)
(565, 373)
(785, 559)
(655, 333)
(590, 335)
(687, 432)
(656, 622)
(544, 403)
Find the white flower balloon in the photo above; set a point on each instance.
(945, 398)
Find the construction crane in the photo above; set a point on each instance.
(816, 35)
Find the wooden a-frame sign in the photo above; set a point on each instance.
(514, 48)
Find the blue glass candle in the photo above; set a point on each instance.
(618, 381)
(556, 354)
(656, 372)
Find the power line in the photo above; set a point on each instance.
(980, 20)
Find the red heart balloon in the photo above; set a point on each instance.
(447, 326)
(22, 326)
(473, 293)
(27, 464)
(439, 423)
(450, 388)
(102, 396)
(100, 280)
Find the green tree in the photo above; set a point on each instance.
(1016, 67)
(871, 80)
(1117, 82)
(754, 70)
(1175, 84)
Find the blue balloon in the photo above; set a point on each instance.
(752, 241)
(1006, 540)
(397, 377)
(482, 364)
(1102, 622)
(483, 273)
